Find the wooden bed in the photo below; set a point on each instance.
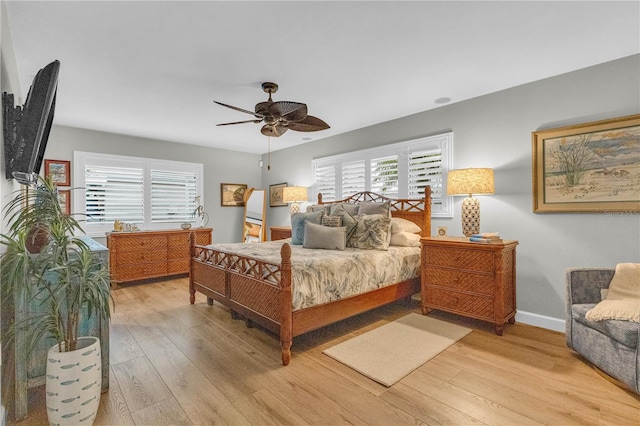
(262, 292)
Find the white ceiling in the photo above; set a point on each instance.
(154, 68)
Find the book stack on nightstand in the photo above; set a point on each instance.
(474, 279)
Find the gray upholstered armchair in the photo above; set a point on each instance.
(611, 345)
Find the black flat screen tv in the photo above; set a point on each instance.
(27, 128)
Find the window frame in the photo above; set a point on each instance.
(81, 159)
(441, 207)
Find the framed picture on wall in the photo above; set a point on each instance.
(591, 167)
(59, 170)
(64, 197)
(275, 195)
(232, 194)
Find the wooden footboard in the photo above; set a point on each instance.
(258, 290)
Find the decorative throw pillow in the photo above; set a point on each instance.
(326, 208)
(297, 224)
(399, 224)
(348, 220)
(324, 237)
(352, 209)
(372, 207)
(405, 239)
(331, 220)
(372, 232)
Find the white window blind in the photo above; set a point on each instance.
(113, 193)
(400, 170)
(353, 177)
(384, 176)
(173, 195)
(149, 193)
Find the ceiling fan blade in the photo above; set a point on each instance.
(240, 109)
(239, 122)
(309, 124)
(274, 131)
(290, 111)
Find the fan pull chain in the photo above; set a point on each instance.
(269, 151)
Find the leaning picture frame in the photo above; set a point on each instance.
(59, 171)
(590, 167)
(275, 195)
(232, 194)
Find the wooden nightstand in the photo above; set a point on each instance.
(477, 280)
(280, 232)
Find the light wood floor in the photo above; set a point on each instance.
(174, 363)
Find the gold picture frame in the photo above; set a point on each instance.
(590, 167)
(275, 195)
(232, 194)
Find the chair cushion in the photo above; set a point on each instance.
(625, 332)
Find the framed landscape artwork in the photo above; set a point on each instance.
(64, 197)
(275, 195)
(591, 167)
(59, 170)
(232, 194)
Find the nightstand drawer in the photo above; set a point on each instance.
(461, 281)
(453, 301)
(470, 260)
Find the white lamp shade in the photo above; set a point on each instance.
(470, 181)
(292, 194)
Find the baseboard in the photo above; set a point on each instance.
(541, 321)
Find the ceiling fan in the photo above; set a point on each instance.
(279, 116)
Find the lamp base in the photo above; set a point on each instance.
(294, 208)
(470, 216)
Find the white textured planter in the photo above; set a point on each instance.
(73, 383)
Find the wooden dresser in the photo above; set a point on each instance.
(151, 254)
(280, 232)
(477, 280)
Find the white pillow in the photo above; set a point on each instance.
(406, 239)
(399, 224)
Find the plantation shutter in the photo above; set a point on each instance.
(325, 176)
(114, 193)
(384, 176)
(173, 195)
(353, 178)
(425, 168)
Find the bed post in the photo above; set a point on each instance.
(286, 304)
(426, 228)
(192, 251)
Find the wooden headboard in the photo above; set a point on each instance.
(417, 211)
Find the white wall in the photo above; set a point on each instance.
(495, 131)
(220, 166)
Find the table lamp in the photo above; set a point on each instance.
(294, 194)
(468, 182)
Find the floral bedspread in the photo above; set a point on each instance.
(321, 276)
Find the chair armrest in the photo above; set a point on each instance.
(584, 284)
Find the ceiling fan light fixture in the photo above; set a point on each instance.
(279, 116)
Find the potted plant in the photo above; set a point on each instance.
(199, 213)
(65, 283)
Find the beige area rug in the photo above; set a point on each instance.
(392, 351)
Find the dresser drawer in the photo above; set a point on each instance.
(470, 260)
(470, 305)
(139, 242)
(180, 266)
(139, 256)
(140, 271)
(462, 281)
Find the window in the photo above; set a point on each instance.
(152, 194)
(400, 170)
